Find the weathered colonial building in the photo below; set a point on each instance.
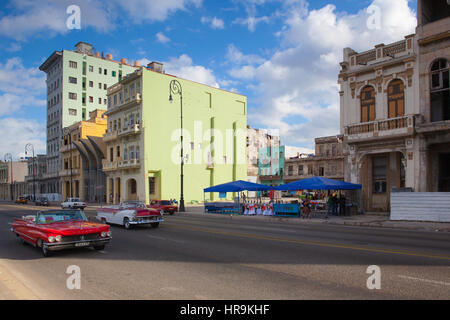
(12, 179)
(327, 162)
(82, 152)
(395, 111)
(433, 126)
(257, 139)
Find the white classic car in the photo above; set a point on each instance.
(73, 203)
(129, 214)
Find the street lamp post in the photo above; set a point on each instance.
(175, 88)
(29, 147)
(9, 156)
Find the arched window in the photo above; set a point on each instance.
(440, 91)
(396, 99)
(368, 104)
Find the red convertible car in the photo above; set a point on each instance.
(61, 229)
(163, 205)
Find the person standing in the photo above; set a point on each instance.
(330, 206)
(335, 205)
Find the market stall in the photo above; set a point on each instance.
(235, 187)
(315, 183)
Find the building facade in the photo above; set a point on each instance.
(12, 179)
(327, 162)
(433, 126)
(395, 111)
(256, 140)
(82, 152)
(37, 168)
(143, 138)
(76, 85)
(271, 165)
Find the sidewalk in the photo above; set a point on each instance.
(379, 221)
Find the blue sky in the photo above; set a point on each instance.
(282, 54)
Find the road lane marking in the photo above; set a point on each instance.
(315, 243)
(165, 239)
(425, 280)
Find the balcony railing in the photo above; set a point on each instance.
(110, 165)
(66, 172)
(382, 51)
(129, 164)
(66, 148)
(130, 129)
(110, 136)
(380, 128)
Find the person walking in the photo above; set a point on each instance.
(306, 208)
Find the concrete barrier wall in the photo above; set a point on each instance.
(418, 206)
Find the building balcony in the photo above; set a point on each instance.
(270, 178)
(380, 129)
(433, 31)
(66, 148)
(110, 136)
(110, 165)
(68, 173)
(129, 164)
(128, 102)
(130, 130)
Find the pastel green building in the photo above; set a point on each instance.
(143, 138)
(77, 83)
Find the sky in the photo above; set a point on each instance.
(283, 55)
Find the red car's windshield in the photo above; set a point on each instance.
(165, 203)
(59, 216)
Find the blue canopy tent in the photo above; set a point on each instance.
(318, 183)
(235, 186)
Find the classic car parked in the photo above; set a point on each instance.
(61, 229)
(22, 200)
(129, 214)
(165, 206)
(73, 203)
(42, 201)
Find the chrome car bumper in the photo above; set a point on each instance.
(146, 221)
(55, 246)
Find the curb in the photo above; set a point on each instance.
(374, 224)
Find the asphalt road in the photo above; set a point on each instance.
(210, 257)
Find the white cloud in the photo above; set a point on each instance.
(251, 22)
(32, 17)
(297, 87)
(162, 38)
(234, 55)
(183, 67)
(16, 132)
(14, 47)
(20, 87)
(153, 10)
(215, 23)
